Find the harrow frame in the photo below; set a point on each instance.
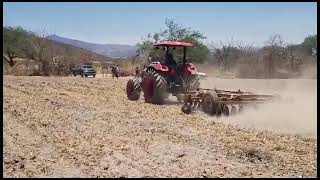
(217, 101)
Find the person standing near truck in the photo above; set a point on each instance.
(137, 71)
(115, 71)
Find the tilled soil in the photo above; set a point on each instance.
(294, 113)
(86, 127)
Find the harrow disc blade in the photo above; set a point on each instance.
(240, 109)
(219, 109)
(233, 111)
(225, 110)
(210, 103)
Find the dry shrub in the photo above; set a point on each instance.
(249, 68)
(21, 69)
(127, 68)
(125, 73)
(35, 73)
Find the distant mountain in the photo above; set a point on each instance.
(110, 50)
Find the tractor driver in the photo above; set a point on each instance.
(170, 60)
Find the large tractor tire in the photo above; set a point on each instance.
(193, 83)
(154, 87)
(133, 89)
(233, 111)
(210, 102)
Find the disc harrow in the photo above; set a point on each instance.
(221, 102)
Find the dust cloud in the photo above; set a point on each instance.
(295, 113)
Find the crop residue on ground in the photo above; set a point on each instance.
(86, 127)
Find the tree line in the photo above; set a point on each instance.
(55, 58)
(246, 59)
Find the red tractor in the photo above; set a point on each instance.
(160, 79)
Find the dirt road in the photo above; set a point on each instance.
(86, 127)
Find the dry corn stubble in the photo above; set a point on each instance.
(86, 127)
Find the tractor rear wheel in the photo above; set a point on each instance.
(154, 87)
(133, 89)
(193, 84)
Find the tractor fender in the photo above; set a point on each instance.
(159, 67)
(190, 68)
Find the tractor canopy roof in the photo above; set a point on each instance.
(173, 43)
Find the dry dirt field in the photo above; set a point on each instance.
(86, 127)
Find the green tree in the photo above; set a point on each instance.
(175, 32)
(14, 39)
(200, 51)
(310, 44)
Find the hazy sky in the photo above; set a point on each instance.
(126, 23)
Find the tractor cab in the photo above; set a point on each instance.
(172, 49)
(172, 62)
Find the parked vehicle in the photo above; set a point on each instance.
(84, 71)
(88, 70)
